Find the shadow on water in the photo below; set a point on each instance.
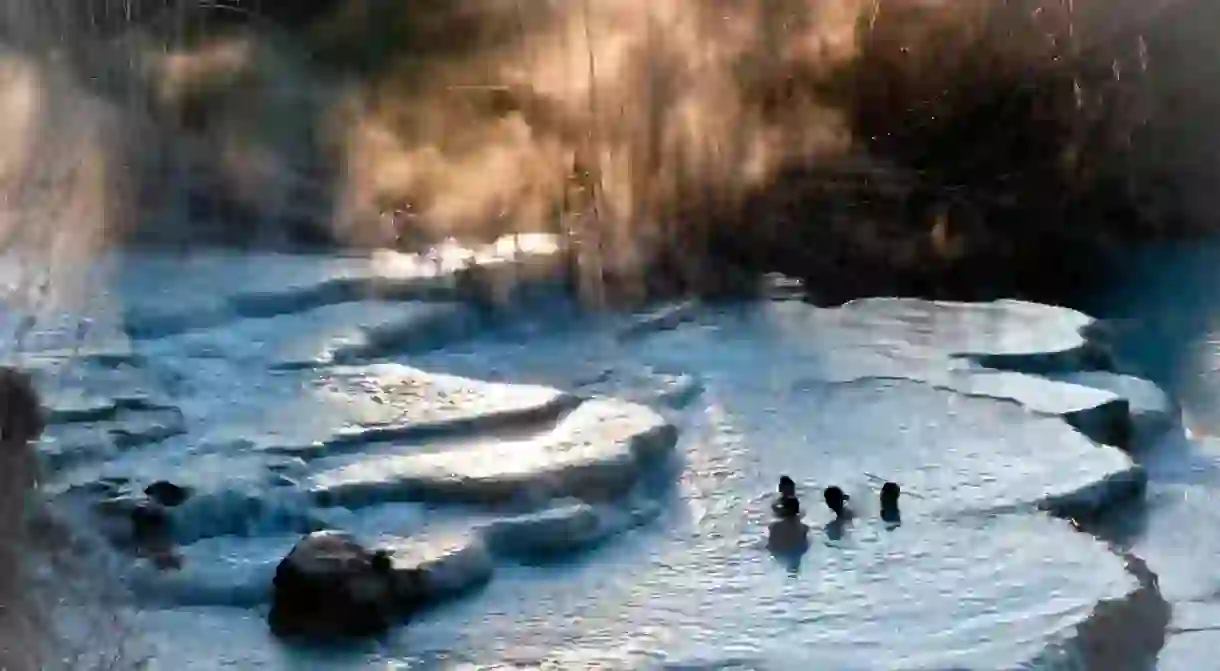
(1123, 633)
(892, 518)
(836, 529)
(790, 559)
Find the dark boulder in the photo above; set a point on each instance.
(331, 586)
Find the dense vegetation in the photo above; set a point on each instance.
(897, 146)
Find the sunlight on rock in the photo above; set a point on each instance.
(350, 406)
(596, 451)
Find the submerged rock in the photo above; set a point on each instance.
(330, 585)
(569, 528)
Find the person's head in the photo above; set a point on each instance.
(889, 495)
(836, 500)
(786, 486)
(381, 562)
(789, 507)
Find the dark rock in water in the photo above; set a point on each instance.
(330, 586)
(167, 493)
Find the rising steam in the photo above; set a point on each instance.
(616, 122)
(380, 122)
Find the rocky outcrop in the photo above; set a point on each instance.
(329, 585)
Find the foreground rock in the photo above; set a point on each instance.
(330, 586)
(438, 563)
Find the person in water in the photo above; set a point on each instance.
(836, 500)
(788, 534)
(889, 503)
(787, 490)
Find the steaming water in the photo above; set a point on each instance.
(974, 578)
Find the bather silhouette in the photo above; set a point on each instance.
(836, 500)
(889, 503)
(787, 490)
(788, 535)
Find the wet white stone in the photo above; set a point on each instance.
(564, 528)
(448, 564)
(1153, 412)
(307, 337)
(1099, 414)
(595, 451)
(349, 406)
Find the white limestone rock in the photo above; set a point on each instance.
(1099, 414)
(596, 451)
(351, 406)
(1154, 413)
